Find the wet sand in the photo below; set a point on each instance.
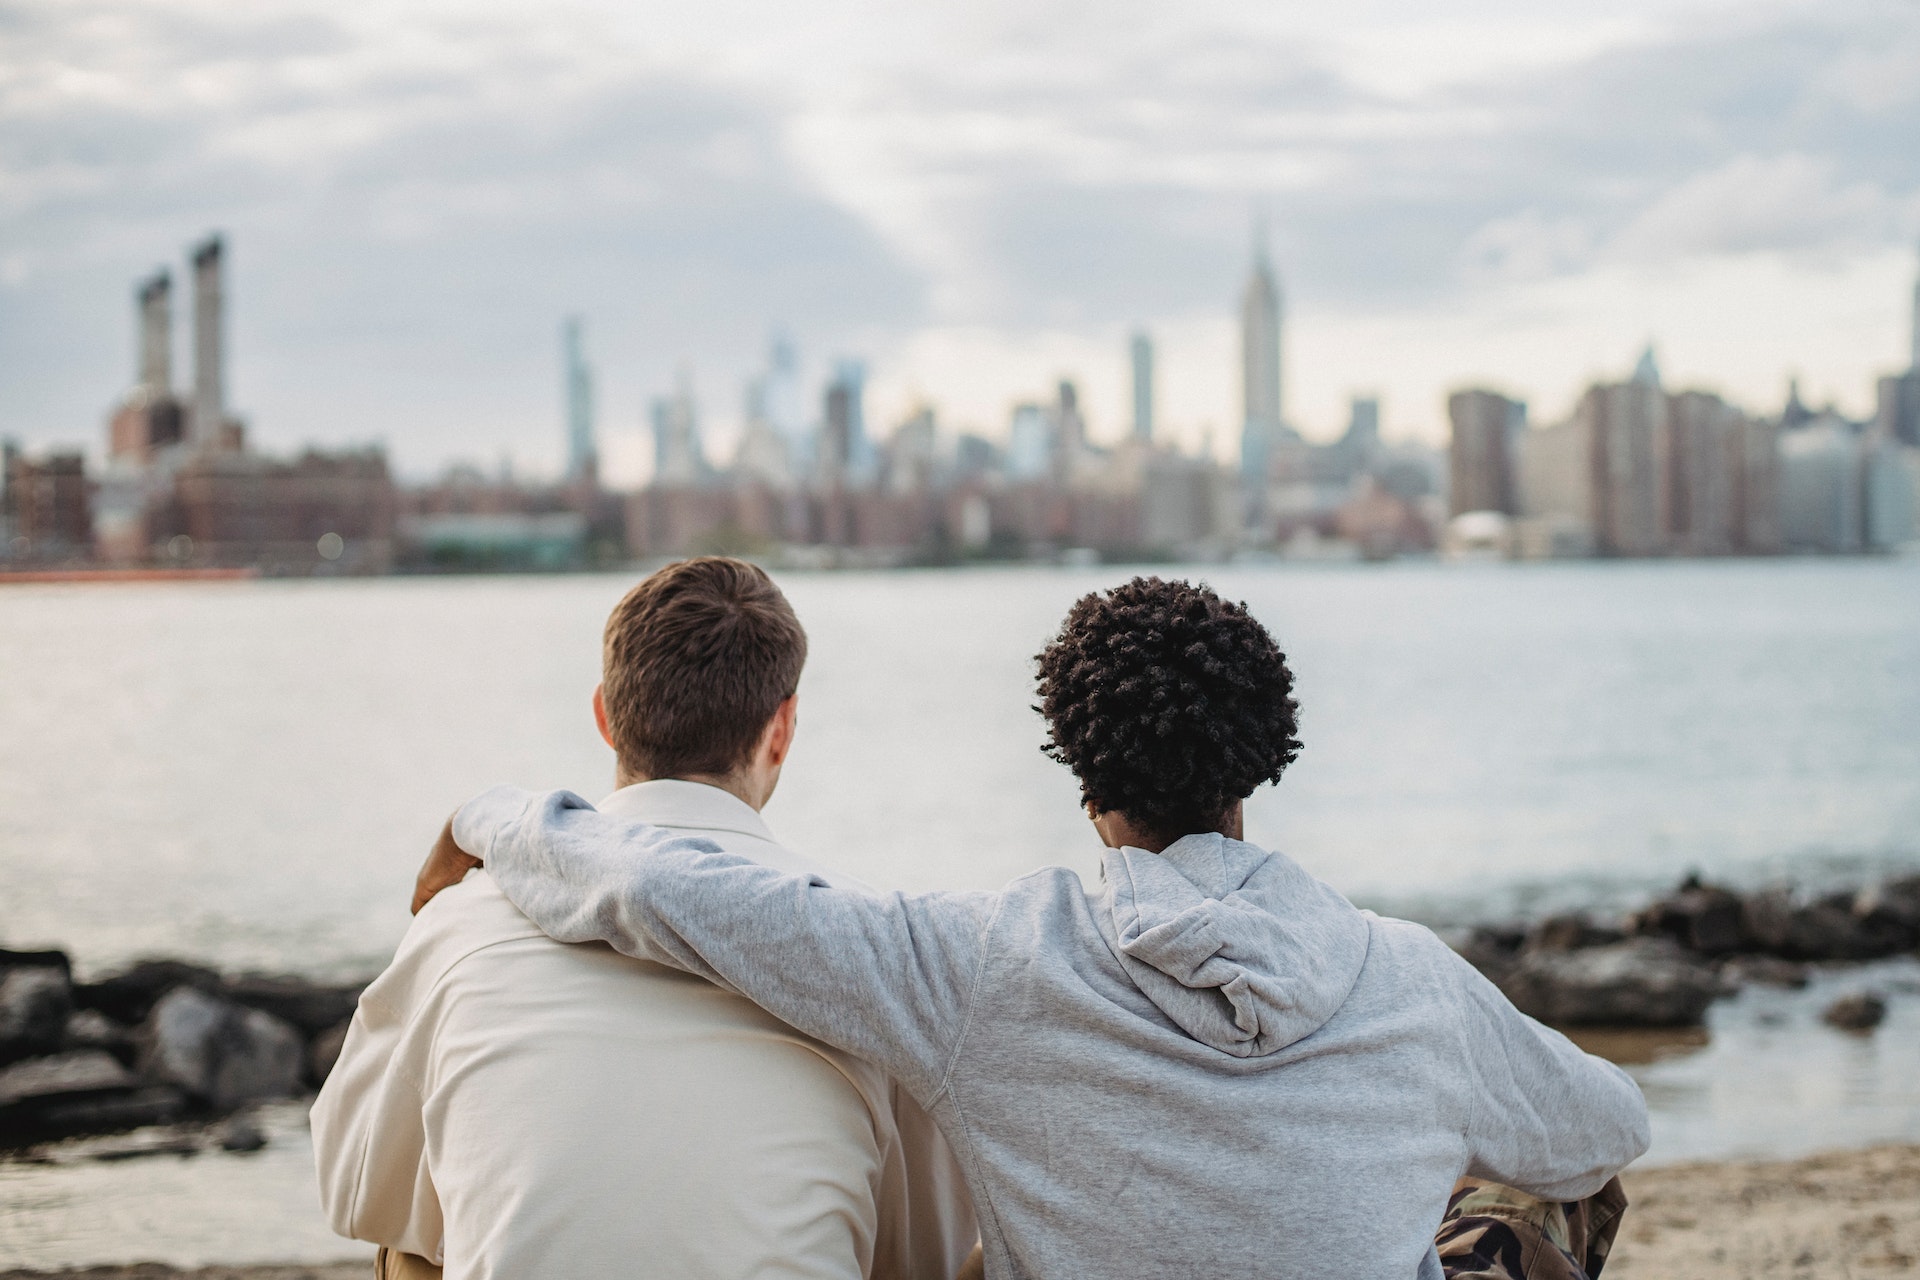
(1845, 1214)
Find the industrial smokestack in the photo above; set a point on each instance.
(209, 374)
(156, 334)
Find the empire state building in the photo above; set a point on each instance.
(1259, 367)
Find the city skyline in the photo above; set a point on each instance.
(976, 202)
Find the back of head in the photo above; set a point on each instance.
(1168, 703)
(696, 660)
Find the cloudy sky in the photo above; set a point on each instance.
(975, 198)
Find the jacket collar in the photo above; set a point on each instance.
(687, 806)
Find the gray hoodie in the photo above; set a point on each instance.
(1210, 1065)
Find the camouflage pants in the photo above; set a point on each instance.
(1493, 1232)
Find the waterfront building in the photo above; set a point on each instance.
(1706, 452)
(1480, 453)
(1897, 407)
(1141, 350)
(1822, 498)
(230, 507)
(1626, 426)
(1261, 385)
(46, 506)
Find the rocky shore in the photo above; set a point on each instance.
(167, 1041)
(1663, 965)
(161, 1042)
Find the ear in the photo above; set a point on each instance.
(780, 730)
(600, 715)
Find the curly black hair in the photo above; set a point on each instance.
(1168, 703)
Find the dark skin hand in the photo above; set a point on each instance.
(445, 867)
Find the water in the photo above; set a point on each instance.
(250, 773)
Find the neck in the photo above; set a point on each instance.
(1118, 831)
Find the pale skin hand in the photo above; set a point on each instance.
(754, 781)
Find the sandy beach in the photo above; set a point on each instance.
(1844, 1214)
(1851, 1214)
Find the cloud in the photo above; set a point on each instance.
(411, 210)
(1753, 203)
(415, 196)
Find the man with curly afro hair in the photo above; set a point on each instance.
(1208, 1063)
(1171, 706)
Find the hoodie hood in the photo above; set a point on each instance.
(1243, 949)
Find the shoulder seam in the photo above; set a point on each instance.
(973, 998)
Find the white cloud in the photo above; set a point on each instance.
(978, 197)
(1787, 202)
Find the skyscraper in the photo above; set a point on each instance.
(678, 459)
(1260, 374)
(583, 459)
(1913, 357)
(209, 374)
(846, 455)
(781, 398)
(1481, 460)
(1142, 388)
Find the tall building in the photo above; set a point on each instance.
(1069, 431)
(1030, 442)
(583, 458)
(207, 429)
(846, 455)
(1486, 427)
(1142, 388)
(1706, 454)
(678, 460)
(1628, 429)
(1263, 409)
(1913, 354)
(781, 398)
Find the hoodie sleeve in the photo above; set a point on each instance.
(886, 977)
(1546, 1117)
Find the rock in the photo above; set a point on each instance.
(1765, 971)
(1700, 917)
(130, 996)
(157, 1104)
(1777, 922)
(324, 1052)
(239, 1133)
(36, 960)
(220, 1053)
(1642, 982)
(1568, 933)
(312, 1007)
(34, 1003)
(1861, 1011)
(81, 1071)
(1890, 910)
(1490, 949)
(91, 1029)
(33, 1094)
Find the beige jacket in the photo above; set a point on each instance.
(513, 1106)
